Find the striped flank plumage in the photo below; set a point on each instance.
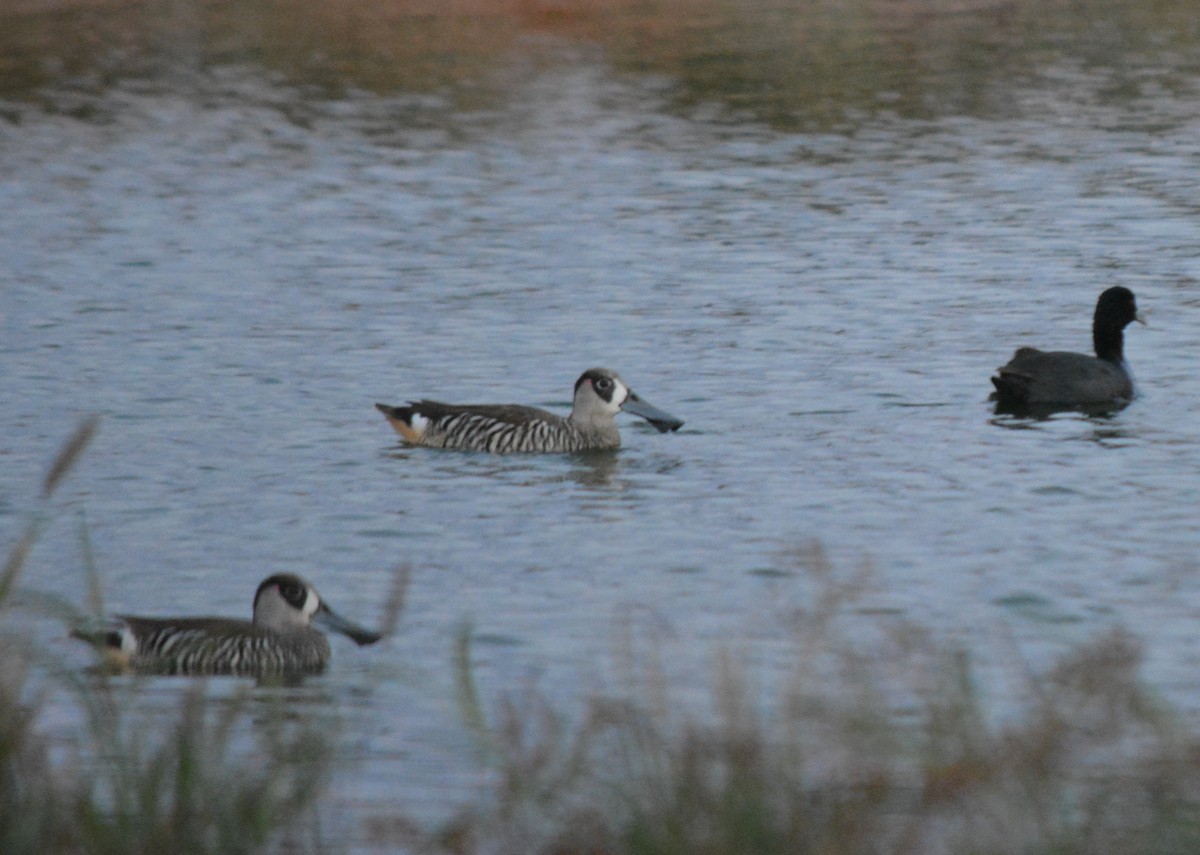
(510, 428)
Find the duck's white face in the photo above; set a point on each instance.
(285, 602)
(600, 392)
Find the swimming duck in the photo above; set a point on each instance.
(501, 428)
(280, 639)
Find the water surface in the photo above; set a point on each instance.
(233, 251)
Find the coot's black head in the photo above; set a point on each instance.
(1115, 310)
(1117, 307)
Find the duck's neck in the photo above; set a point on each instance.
(599, 432)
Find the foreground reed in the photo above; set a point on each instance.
(871, 748)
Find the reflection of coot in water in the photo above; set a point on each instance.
(1044, 381)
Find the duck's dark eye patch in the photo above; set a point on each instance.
(293, 593)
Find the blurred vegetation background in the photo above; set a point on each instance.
(791, 63)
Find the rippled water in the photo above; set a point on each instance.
(232, 270)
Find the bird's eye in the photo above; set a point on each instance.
(604, 384)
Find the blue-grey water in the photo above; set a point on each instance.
(232, 268)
